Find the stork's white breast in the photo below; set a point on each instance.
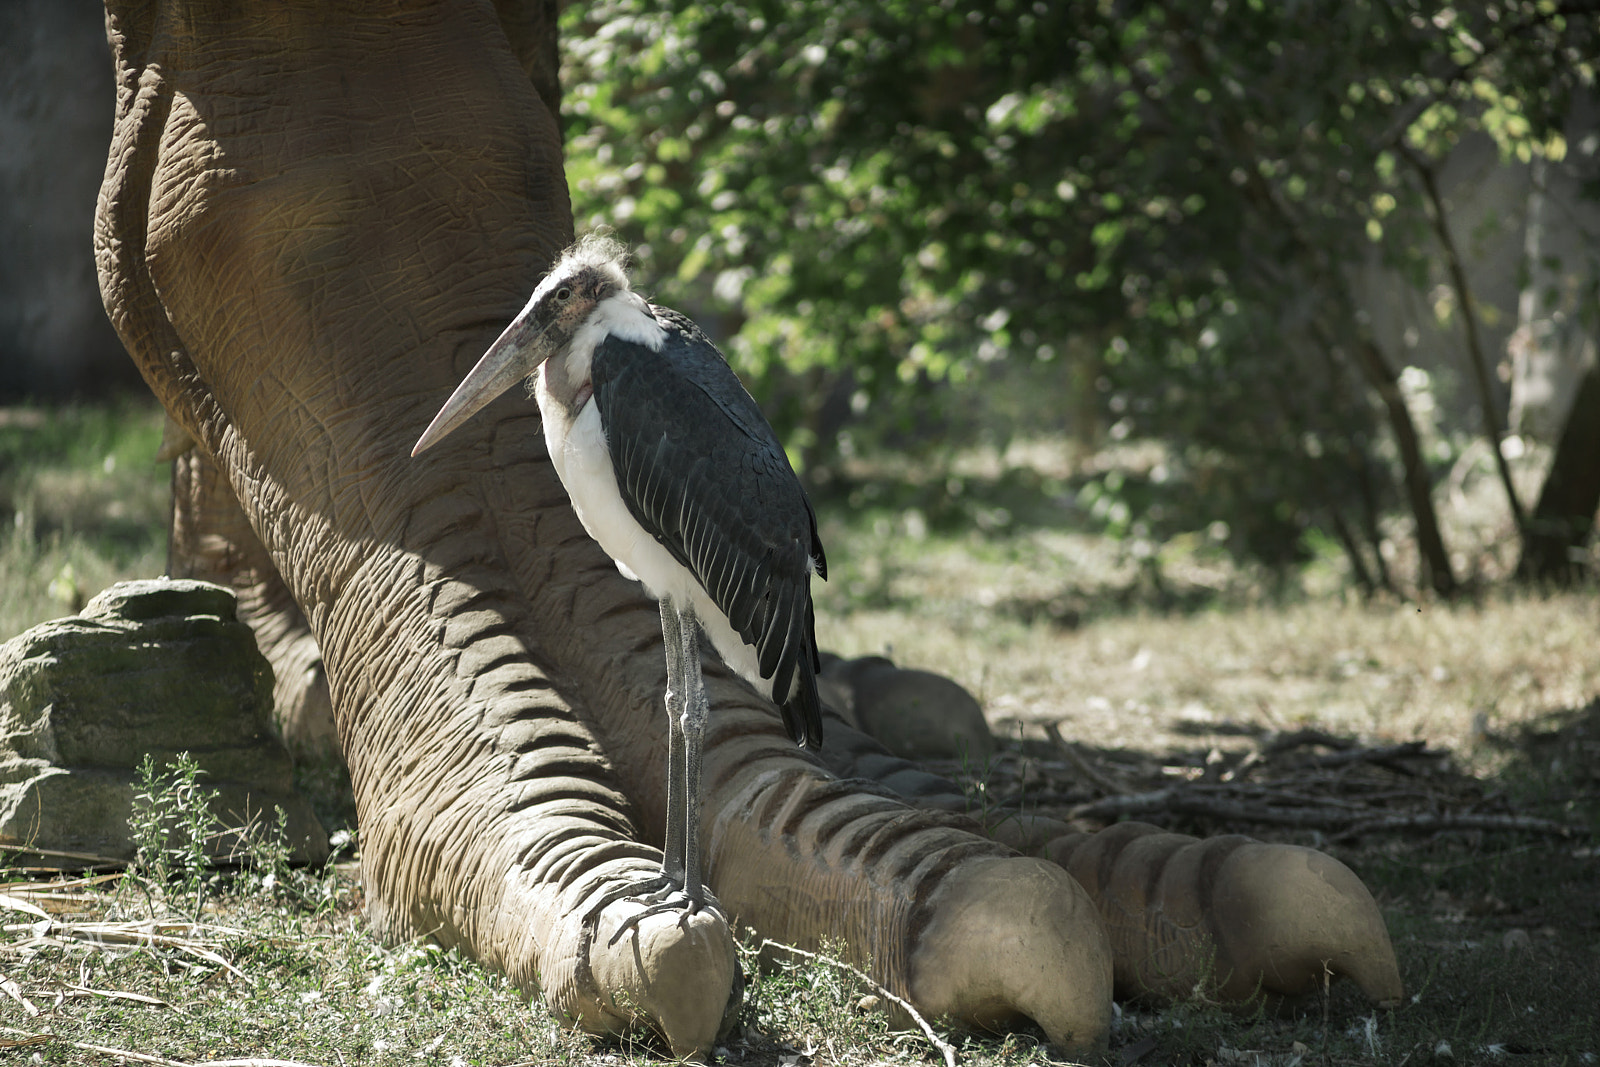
(583, 462)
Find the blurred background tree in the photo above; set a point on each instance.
(1191, 222)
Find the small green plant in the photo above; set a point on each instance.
(176, 835)
(267, 857)
(814, 996)
(171, 823)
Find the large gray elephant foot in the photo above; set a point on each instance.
(1229, 917)
(956, 925)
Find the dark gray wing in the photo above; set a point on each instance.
(700, 469)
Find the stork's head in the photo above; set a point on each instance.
(584, 275)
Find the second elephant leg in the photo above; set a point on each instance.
(211, 540)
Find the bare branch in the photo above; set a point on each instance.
(945, 1048)
(1492, 428)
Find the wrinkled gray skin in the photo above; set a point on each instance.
(316, 216)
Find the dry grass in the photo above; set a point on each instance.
(82, 504)
(1452, 675)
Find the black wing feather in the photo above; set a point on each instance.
(700, 469)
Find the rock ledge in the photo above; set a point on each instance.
(153, 667)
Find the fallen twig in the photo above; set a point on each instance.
(1081, 764)
(11, 989)
(142, 1057)
(117, 994)
(79, 860)
(1430, 822)
(132, 935)
(1189, 802)
(53, 890)
(1388, 756)
(945, 1048)
(1284, 742)
(1251, 761)
(1338, 816)
(13, 903)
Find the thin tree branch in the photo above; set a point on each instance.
(1310, 813)
(1492, 427)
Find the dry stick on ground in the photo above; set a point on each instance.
(1429, 822)
(11, 903)
(1299, 738)
(141, 1057)
(1385, 756)
(1081, 764)
(1199, 800)
(14, 991)
(945, 1049)
(84, 860)
(58, 888)
(138, 934)
(117, 994)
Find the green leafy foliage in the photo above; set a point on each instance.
(175, 831)
(82, 504)
(862, 198)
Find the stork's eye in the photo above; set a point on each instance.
(563, 294)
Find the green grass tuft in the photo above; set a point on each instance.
(83, 503)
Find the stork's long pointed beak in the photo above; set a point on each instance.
(509, 360)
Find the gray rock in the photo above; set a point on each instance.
(915, 714)
(151, 668)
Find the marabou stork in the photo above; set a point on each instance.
(673, 470)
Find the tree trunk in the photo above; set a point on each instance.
(1419, 494)
(1370, 514)
(1487, 400)
(1352, 551)
(1565, 514)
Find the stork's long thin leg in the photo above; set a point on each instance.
(673, 865)
(693, 729)
(679, 884)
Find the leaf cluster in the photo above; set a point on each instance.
(862, 196)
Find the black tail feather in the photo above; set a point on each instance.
(802, 710)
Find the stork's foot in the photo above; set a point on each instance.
(678, 975)
(660, 894)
